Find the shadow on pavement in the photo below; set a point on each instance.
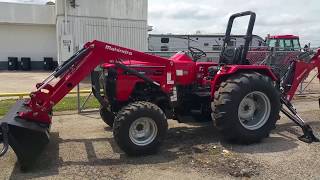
(180, 141)
(47, 163)
(284, 138)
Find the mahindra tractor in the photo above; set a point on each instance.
(139, 92)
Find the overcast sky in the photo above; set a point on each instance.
(210, 16)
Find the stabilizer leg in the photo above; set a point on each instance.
(308, 136)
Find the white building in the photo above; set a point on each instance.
(57, 31)
(27, 31)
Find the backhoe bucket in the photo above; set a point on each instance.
(26, 138)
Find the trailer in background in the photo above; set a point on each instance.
(174, 42)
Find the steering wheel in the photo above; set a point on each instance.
(196, 53)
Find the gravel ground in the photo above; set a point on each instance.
(82, 147)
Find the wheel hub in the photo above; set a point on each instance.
(247, 108)
(254, 110)
(139, 127)
(143, 131)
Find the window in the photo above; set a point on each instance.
(206, 44)
(164, 40)
(272, 43)
(164, 48)
(216, 47)
(281, 44)
(296, 44)
(287, 44)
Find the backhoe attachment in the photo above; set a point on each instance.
(297, 70)
(308, 135)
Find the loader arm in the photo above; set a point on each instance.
(80, 66)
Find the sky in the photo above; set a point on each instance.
(296, 17)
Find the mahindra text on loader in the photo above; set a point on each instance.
(139, 92)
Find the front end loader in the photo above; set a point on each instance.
(139, 92)
(26, 126)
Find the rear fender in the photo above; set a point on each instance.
(228, 70)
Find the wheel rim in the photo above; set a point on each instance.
(143, 131)
(254, 110)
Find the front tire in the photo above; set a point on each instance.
(140, 128)
(246, 108)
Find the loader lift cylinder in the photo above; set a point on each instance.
(66, 65)
(63, 67)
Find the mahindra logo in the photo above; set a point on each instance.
(118, 50)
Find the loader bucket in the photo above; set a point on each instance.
(26, 138)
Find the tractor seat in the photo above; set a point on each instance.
(231, 55)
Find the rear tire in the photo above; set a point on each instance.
(140, 128)
(246, 108)
(107, 116)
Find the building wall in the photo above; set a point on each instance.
(17, 13)
(120, 9)
(27, 30)
(128, 33)
(36, 31)
(34, 41)
(122, 22)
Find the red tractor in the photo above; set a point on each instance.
(139, 92)
(284, 42)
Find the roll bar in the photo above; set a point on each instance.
(248, 36)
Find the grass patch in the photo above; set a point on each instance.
(5, 105)
(66, 104)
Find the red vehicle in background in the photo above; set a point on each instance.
(284, 42)
(285, 48)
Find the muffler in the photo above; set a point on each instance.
(25, 137)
